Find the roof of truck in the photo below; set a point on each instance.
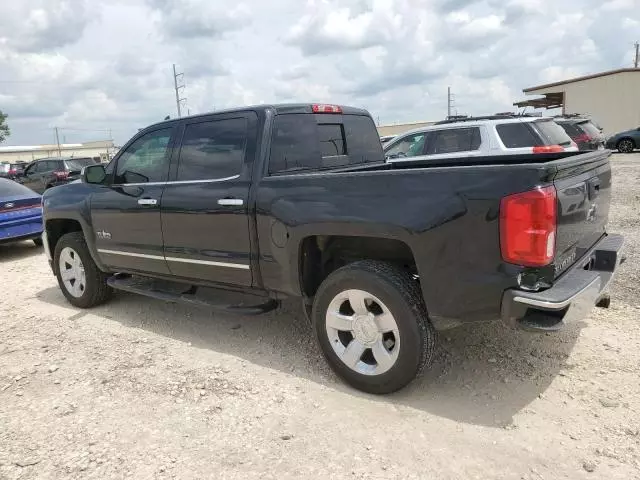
(279, 108)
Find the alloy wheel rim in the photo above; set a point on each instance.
(626, 146)
(72, 272)
(362, 332)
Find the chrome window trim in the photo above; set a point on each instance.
(177, 182)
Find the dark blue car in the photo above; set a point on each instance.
(625, 142)
(20, 213)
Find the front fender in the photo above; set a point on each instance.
(72, 202)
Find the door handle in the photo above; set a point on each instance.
(147, 201)
(231, 202)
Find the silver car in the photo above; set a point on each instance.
(480, 137)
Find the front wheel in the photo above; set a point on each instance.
(81, 281)
(372, 326)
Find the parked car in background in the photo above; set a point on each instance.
(624, 142)
(481, 137)
(45, 173)
(582, 131)
(12, 171)
(387, 138)
(20, 213)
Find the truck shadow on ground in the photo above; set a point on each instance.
(483, 374)
(11, 252)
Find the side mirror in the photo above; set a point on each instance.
(93, 174)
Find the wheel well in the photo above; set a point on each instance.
(320, 255)
(56, 228)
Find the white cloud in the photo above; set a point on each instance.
(93, 65)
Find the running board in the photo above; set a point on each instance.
(210, 298)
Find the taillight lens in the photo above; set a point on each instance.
(548, 149)
(528, 227)
(583, 138)
(61, 175)
(318, 108)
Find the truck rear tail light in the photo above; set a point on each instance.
(319, 108)
(13, 171)
(61, 175)
(528, 227)
(548, 149)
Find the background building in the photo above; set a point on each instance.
(397, 128)
(611, 98)
(101, 150)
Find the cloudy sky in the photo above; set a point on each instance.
(94, 66)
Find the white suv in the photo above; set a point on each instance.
(480, 137)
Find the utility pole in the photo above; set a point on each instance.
(450, 103)
(58, 142)
(177, 88)
(637, 59)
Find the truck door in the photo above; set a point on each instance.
(205, 217)
(126, 213)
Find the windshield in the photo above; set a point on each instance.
(78, 163)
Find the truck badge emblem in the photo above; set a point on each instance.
(103, 235)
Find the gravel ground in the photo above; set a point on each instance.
(143, 389)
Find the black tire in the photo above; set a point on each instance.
(96, 291)
(402, 296)
(37, 242)
(626, 145)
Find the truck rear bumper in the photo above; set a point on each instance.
(574, 294)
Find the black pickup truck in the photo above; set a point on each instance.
(235, 210)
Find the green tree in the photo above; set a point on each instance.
(4, 128)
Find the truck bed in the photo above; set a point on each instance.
(447, 216)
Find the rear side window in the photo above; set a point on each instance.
(589, 128)
(299, 142)
(213, 150)
(454, 140)
(78, 163)
(517, 135)
(553, 133)
(572, 130)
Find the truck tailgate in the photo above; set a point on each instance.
(583, 185)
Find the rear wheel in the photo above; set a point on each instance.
(372, 326)
(80, 280)
(626, 145)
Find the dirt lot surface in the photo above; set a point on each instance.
(142, 389)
